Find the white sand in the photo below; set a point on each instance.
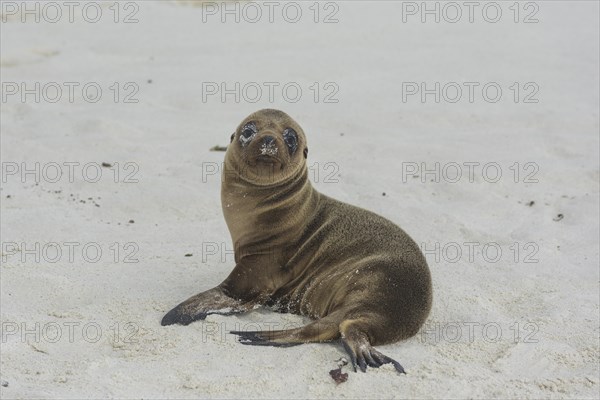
(552, 303)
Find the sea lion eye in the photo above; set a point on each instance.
(232, 136)
(248, 133)
(290, 137)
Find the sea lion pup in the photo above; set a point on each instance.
(359, 275)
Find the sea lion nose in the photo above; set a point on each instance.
(269, 140)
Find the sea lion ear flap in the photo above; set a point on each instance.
(232, 136)
(305, 152)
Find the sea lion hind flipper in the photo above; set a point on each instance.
(260, 338)
(322, 330)
(362, 354)
(365, 355)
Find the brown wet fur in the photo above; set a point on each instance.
(360, 276)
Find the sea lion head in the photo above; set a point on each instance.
(267, 148)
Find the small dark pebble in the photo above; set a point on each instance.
(149, 80)
(131, 221)
(4, 384)
(531, 203)
(383, 194)
(342, 134)
(82, 201)
(189, 255)
(558, 217)
(338, 376)
(97, 205)
(341, 362)
(218, 148)
(106, 165)
(8, 196)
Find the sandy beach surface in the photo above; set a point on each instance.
(477, 134)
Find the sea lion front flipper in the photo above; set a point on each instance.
(197, 307)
